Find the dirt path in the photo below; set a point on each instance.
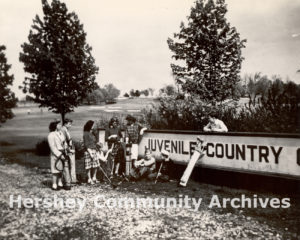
(40, 222)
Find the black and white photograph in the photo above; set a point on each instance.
(162, 119)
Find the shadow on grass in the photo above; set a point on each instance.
(6, 144)
(93, 230)
(47, 183)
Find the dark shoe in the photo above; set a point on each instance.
(67, 188)
(55, 189)
(76, 183)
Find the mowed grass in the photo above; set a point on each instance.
(18, 136)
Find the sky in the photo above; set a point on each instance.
(129, 38)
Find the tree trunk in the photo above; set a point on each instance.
(62, 117)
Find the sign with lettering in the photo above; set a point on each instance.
(273, 154)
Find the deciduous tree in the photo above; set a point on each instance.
(209, 50)
(112, 91)
(58, 59)
(7, 97)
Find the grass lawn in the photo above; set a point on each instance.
(18, 136)
(25, 130)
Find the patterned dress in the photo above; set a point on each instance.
(91, 159)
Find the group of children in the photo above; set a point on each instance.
(113, 161)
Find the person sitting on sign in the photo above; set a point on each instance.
(144, 167)
(215, 125)
(133, 132)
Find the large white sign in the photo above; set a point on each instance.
(258, 153)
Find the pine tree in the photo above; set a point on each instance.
(7, 98)
(210, 50)
(59, 60)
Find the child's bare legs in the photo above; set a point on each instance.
(94, 175)
(54, 181)
(59, 180)
(117, 169)
(89, 176)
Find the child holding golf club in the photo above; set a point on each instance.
(100, 153)
(113, 137)
(165, 167)
(144, 167)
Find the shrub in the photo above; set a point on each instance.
(79, 149)
(277, 113)
(42, 148)
(173, 113)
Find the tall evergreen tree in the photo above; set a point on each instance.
(59, 60)
(7, 98)
(210, 50)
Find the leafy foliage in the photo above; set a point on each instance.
(101, 94)
(138, 93)
(168, 90)
(145, 92)
(278, 111)
(59, 60)
(42, 148)
(256, 88)
(210, 50)
(112, 91)
(7, 98)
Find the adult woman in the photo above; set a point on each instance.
(113, 136)
(56, 144)
(91, 159)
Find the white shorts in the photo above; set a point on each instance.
(134, 151)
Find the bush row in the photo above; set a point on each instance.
(42, 148)
(191, 114)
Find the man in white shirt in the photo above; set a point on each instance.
(215, 125)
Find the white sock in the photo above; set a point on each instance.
(54, 185)
(60, 184)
